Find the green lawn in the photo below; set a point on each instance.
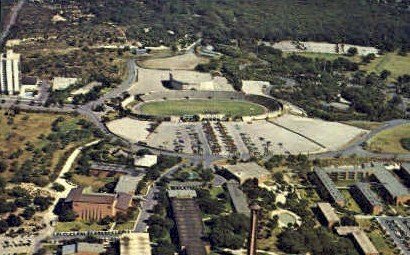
(79, 226)
(198, 106)
(390, 140)
(397, 65)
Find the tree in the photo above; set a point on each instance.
(4, 226)
(43, 203)
(58, 187)
(14, 220)
(384, 74)
(67, 216)
(352, 51)
(3, 166)
(28, 213)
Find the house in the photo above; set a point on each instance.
(96, 206)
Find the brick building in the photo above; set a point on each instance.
(95, 206)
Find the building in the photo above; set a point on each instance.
(95, 206)
(388, 186)
(83, 249)
(10, 73)
(247, 171)
(238, 198)
(146, 161)
(253, 230)
(176, 185)
(366, 198)
(182, 193)
(327, 214)
(135, 243)
(187, 216)
(360, 239)
(62, 83)
(127, 184)
(326, 187)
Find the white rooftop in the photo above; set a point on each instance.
(135, 243)
(146, 161)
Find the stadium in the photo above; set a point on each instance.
(207, 105)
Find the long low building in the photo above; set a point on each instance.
(366, 198)
(189, 224)
(388, 186)
(238, 198)
(328, 214)
(360, 239)
(326, 187)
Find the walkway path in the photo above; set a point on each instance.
(13, 18)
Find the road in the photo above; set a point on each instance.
(149, 202)
(356, 147)
(13, 18)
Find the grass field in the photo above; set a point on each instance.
(79, 225)
(389, 140)
(24, 130)
(397, 65)
(369, 125)
(197, 106)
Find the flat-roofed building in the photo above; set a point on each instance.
(389, 186)
(146, 161)
(361, 240)
(326, 187)
(10, 73)
(391, 189)
(187, 216)
(182, 193)
(247, 171)
(366, 198)
(328, 214)
(95, 206)
(135, 243)
(238, 198)
(185, 185)
(83, 248)
(127, 184)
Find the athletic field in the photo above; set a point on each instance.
(198, 106)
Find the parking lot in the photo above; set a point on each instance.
(398, 229)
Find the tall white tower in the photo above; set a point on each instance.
(10, 73)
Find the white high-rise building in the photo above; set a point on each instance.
(10, 73)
